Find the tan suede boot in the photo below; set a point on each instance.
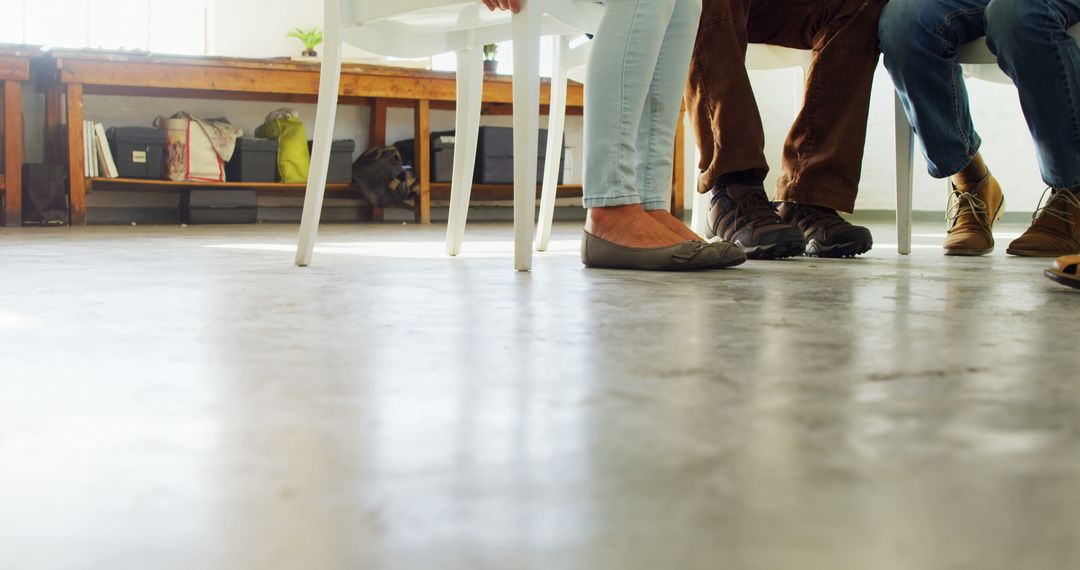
(973, 211)
(1055, 227)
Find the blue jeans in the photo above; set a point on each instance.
(633, 89)
(920, 39)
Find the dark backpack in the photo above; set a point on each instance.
(383, 178)
(45, 200)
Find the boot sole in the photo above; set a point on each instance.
(774, 251)
(836, 251)
(968, 252)
(1031, 253)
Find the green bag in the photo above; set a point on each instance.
(293, 159)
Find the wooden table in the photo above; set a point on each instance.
(14, 69)
(74, 73)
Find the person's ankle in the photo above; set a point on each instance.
(974, 172)
(602, 215)
(744, 177)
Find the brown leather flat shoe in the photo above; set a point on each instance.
(684, 256)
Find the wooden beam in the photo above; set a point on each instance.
(499, 192)
(422, 154)
(13, 68)
(377, 137)
(222, 81)
(75, 163)
(13, 153)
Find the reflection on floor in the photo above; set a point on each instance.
(186, 398)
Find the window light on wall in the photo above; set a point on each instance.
(161, 26)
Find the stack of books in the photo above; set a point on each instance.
(97, 156)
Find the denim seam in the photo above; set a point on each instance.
(622, 98)
(1065, 80)
(646, 178)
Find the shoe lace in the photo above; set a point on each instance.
(819, 217)
(751, 208)
(1063, 198)
(961, 202)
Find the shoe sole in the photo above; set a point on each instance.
(774, 251)
(1058, 278)
(968, 252)
(1031, 253)
(837, 251)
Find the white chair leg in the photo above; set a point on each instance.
(329, 80)
(690, 167)
(905, 150)
(526, 36)
(556, 125)
(470, 85)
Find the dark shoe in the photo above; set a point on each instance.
(973, 210)
(729, 254)
(1054, 228)
(685, 256)
(1065, 270)
(825, 232)
(742, 214)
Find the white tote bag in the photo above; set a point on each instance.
(189, 154)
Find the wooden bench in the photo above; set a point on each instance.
(71, 74)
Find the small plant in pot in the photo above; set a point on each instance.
(491, 63)
(310, 38)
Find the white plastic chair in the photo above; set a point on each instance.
(421, 28)
(978, 62)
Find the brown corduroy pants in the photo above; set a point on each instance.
(822, 158)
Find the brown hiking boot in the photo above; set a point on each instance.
(973, 210)
(1054, 228)
(826, 233)
(742, 214)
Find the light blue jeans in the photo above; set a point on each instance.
(637, 72)
(920, 39)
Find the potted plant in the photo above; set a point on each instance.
(491, 62)
(311, 38)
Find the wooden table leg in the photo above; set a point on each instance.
(377, 137)
(422, 132)
(75, 163)
(13, 153)
(678, 174)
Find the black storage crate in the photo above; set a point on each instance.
(442, 156)
(213, 206)
(254, 160)
(341, 152)
(495, 156)
(139, 152)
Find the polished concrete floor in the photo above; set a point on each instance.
(185, 398)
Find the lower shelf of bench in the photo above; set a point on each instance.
(440, 191)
